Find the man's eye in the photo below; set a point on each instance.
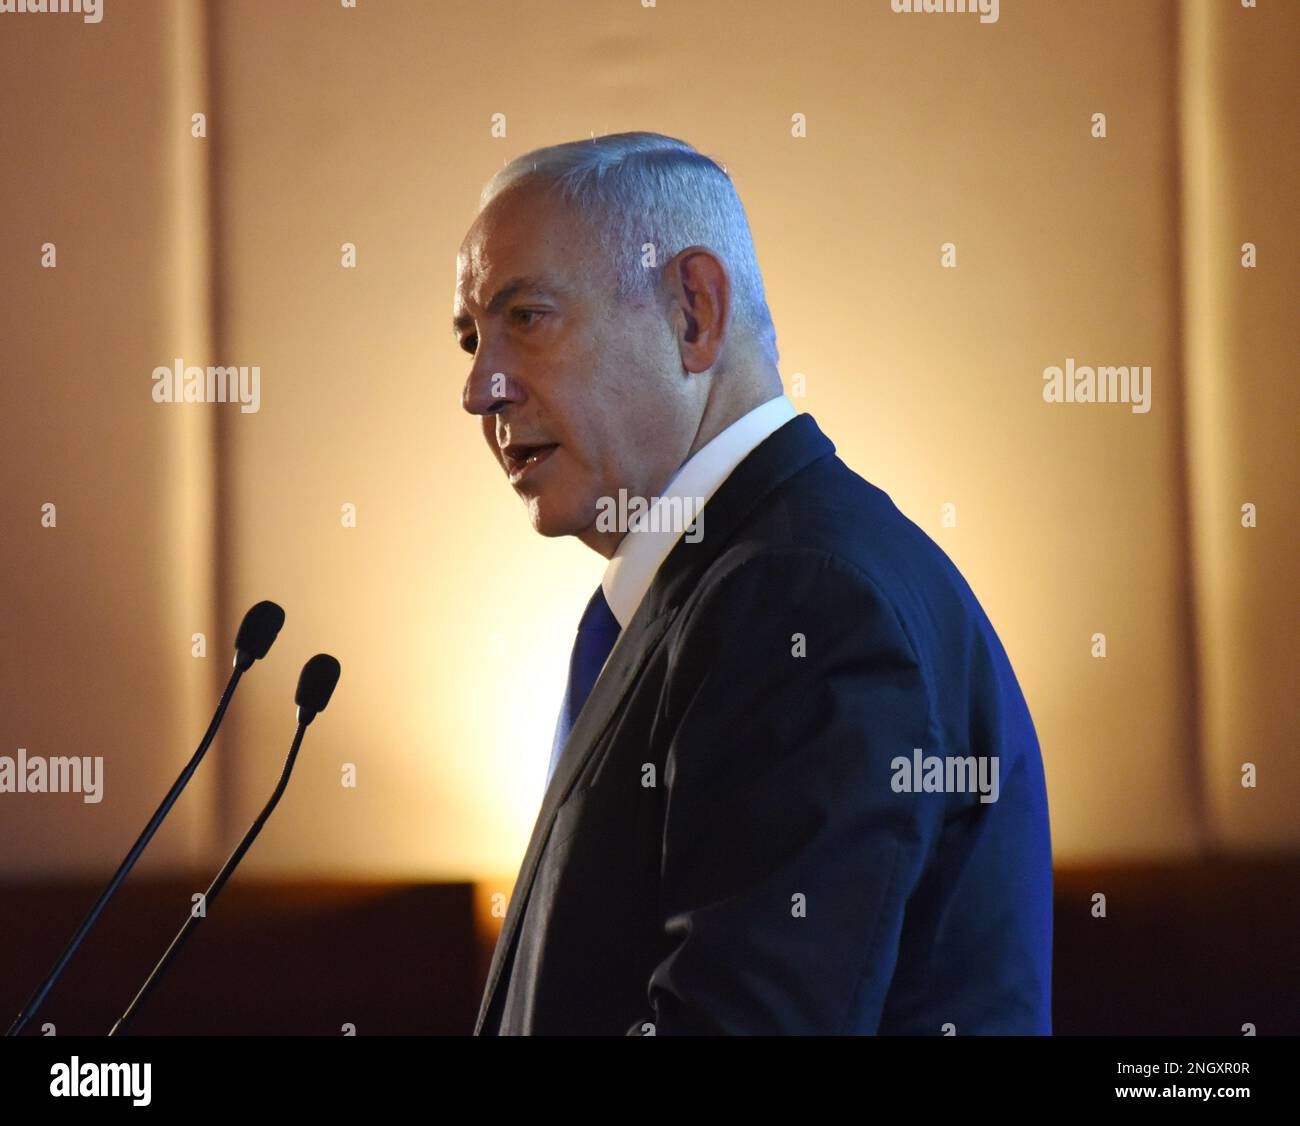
(469, 343)
(520, 314)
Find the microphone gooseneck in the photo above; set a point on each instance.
(256, 634)
(315, 686)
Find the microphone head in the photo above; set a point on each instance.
(315, 686)
(257, 633)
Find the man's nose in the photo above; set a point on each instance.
(488, 389)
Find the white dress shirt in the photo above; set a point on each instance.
(632, 567)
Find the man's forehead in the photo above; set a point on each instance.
(488, 278)
(492, 251)
(502, 277)
(522, 231)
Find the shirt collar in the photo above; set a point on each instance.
(636, 560)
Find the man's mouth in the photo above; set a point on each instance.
(521, 459)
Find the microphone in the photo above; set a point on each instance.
(315, 687)
(256, 634)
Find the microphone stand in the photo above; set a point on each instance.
(228, 868)
(242, 662)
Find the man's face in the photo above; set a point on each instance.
(579, 394)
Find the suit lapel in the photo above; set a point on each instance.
(782, 454)
(625, 660)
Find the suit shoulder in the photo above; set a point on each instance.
(827, 509)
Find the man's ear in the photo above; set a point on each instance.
(699, 294)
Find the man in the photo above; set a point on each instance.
(795, 787)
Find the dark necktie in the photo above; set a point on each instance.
(597, 632)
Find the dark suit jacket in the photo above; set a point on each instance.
(723, 847)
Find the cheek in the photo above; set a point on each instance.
(579, 481)
(580, 469)
(596, 444)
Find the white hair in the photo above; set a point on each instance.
(639, 188)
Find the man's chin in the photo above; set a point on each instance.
(547, 521)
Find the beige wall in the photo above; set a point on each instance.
(452, 620)
(99, 609)
(1243, 407)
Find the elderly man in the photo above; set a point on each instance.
(794, 785)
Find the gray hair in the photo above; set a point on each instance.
(640, 188)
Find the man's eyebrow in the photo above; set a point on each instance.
(502, 295)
